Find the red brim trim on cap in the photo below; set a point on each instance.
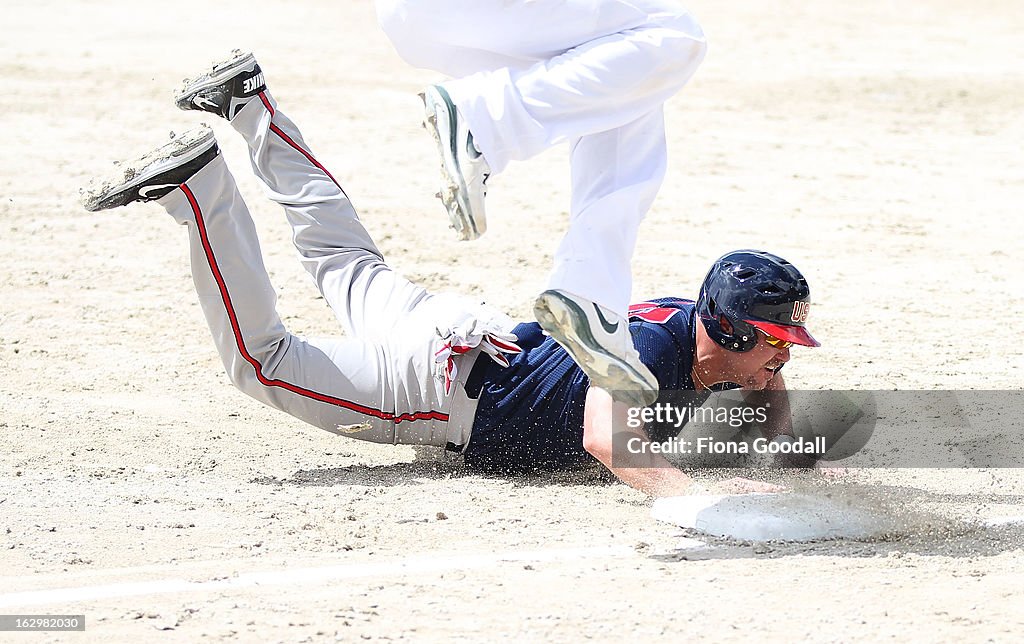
(794, 334)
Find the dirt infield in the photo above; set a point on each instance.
(876, 145)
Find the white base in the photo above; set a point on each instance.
(769, 517)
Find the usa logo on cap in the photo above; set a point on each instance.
(800, 311)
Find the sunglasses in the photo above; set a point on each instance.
(775, 342)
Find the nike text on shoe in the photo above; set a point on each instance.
(155, 174)
(600, 343)
(464, 170)
(225, 89)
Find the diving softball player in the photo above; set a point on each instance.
(420, 368)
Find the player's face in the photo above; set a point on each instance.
(753, 369)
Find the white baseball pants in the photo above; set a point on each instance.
(377, 385)
(594, 73)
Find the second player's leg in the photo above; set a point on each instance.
(601, 85)
(548, 72)
(615, 179)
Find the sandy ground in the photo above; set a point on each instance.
(875, 144)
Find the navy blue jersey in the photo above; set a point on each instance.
(530, 414)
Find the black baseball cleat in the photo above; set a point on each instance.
(156, 174)
(225, 89)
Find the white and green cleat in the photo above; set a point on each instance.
(600, 343)
(464, 171)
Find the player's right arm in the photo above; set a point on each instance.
(641, 469)
(647, 472)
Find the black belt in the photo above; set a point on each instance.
(475, 382)
(474, 385)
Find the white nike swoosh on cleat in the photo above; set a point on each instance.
(145, 191)
(204, 103)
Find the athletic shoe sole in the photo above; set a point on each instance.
(220, 74)
(139, 180)
(441, 120)
(566, 322)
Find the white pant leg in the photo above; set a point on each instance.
(609, 200)
(595, 73)
(518, 112)
(606, 97)
(367, 297)
(535, 74)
